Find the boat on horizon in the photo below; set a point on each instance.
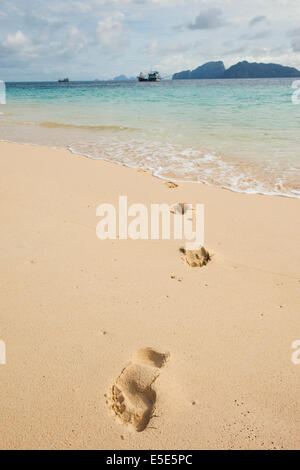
(150, 77)
(64, 80)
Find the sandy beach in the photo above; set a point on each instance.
(75, 310)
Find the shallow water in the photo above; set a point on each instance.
(243, 135)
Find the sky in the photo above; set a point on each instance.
(101, 39)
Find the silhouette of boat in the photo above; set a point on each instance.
(63, 80)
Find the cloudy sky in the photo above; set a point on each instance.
(88, 39)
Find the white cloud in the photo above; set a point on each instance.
(208, 19)
(16, 46)
(110, 33)
(76, 40)
(15, 41)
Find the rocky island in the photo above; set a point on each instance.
(244, 69)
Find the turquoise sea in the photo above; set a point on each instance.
(243, 135)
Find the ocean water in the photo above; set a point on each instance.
(243, 135)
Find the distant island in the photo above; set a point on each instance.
(123, 78)
(243, 69)
(208, 70)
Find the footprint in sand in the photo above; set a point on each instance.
(132, 395)
(178, 208)
(196, 258)
(171, 185)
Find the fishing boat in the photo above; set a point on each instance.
(150, 77)
(63, 80)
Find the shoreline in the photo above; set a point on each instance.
(152, 171)
(75, 309)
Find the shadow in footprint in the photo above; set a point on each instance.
(132, 395)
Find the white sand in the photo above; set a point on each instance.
(75, 309)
